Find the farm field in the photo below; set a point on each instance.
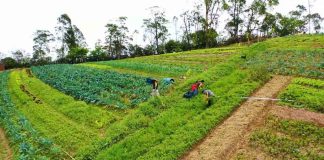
(104, 110)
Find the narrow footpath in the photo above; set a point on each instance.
(225, 139)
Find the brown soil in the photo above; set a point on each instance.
(225, 140)
(29, 73)
(245, 151)
(297, 114)
(35, 99)
(4, 146)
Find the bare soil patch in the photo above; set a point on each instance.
(5, 151)
(297, 114)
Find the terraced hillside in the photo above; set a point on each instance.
(103, 110)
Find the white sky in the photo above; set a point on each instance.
(21, 18)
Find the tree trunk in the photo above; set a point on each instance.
(206, 25)
(156, 39)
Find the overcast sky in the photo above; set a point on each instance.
(21, 18)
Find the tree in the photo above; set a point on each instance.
(175, 22)
(69, 35)
(98, 53)
(235, 9)
(269, 24)
(9, 63)
(77, 55)
(42, 38)
(18, 55)
(316, 19)
(136, 50)
(155, 27)
(117, 37)
(212, 7)
(187, 23)
(256, 10)
(199, 41)
(173, 46)
(295, 23)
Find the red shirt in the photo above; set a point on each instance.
(194, 87)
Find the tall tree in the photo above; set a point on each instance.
(187, 24)
(235, 9)
(41, 48)
(255, 11)
(117, 38)
(175, 22)
(18, 55)
(155, 26)
(295, 22)
(269, 24)
(212, 9)
(315, 20)
(69, 35)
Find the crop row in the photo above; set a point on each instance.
(168, 126)
(26, 141)
(289, 139)
(168, 70)
(52, 118)
(309, 82)
(302, 96)
(292, 62)
(96, 86)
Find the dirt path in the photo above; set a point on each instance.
(5, 151)
(225, 139)
(297, 114)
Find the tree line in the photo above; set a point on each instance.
(199, 29)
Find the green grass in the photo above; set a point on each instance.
(70, 135)
(160, 127)
(304, 93)
(174, 64)
(289, 139)
(25, 141)
(180, 116)
(79, 111)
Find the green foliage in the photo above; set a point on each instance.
(117, 37)
(155, 28)
(66, 133)
(288, 139)
(79, 111)
(291, 62)
(9, 63)
(304, 93)
(69, 35)
(171, 70)
(182, 122)
(173, 46)
(42, 38)
(26, 141)
(309, 82)
(96, 86)
(77, 54)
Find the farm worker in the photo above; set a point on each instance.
(194, 89)
(196, 86)
(155, 90)
(155, 86)
(168, 81)
(149, 80)
(209, 96)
